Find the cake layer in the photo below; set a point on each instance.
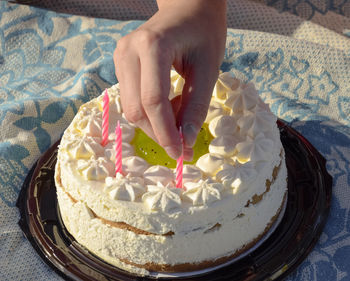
(122, 224)
(177, 252)
(188, 218)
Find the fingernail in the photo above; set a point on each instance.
(190, 134)
(173, 151)
(188, 154)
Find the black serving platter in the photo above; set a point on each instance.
(309, 197)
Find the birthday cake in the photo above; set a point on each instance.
(233, 190)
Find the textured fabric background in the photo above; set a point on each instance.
(296, 52)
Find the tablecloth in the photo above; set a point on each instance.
(297, 53)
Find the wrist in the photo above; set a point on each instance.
(190, 6)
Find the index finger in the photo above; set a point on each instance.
(127, 68)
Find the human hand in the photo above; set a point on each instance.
(188, 35)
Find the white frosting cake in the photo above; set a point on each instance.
(140, 221)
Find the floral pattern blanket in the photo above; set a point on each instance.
(297, 53)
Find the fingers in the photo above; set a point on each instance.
(195, 101)
(155, 86)
(143, 61)
(144, 78)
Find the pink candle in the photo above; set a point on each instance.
(118, 149)
(105, 117)
(180, 164)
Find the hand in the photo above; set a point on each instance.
(188, 35)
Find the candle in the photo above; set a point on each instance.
(118, 149)
(105, 117)
(180, 164)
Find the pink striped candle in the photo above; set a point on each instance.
(105, 119)
(118, 149)
(180, 164)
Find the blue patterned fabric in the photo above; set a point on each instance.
(308, 8)
(52, 63)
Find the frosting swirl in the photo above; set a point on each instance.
(223, 125)
(84, 147)
(110, 150)
(203, 192)
(225, 83)
(115, 106)
(191, 173)
(245, 97)
(160, 174)
(252, 123)
(162, 197)
(128, 132)
(95, 169)
(210, 163)
(177, 84)
(215, 109)
(124, 188)
(233, 176)
(224, 145)
(89, 125)
(257, 149)
(134, 165)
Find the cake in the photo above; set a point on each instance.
(233, 192)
